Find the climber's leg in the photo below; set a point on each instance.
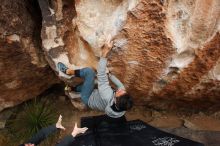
(85, 89)
(88, 74)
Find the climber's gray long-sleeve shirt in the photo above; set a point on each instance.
(103, 97)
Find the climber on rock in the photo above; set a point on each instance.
(113, 103)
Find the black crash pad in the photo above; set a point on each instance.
(105, 131)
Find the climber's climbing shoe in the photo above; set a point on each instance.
(67, 88)
(62, 67)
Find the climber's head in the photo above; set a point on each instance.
(123, 100)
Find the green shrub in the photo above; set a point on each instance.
(34, 116)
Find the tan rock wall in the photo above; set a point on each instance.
(24, 71)
(166, 52)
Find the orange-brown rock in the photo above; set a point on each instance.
(166, 52)
(24, 71)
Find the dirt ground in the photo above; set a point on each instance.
(200, 126)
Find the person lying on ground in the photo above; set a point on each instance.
(45, 132)
(113, 103)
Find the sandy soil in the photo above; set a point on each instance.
(193, 122)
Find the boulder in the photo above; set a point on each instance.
(165, 52)
(24, 70)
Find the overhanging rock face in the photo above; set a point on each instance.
(166, 52)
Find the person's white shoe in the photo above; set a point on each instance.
(72, 94)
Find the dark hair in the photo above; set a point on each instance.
(125, 102)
